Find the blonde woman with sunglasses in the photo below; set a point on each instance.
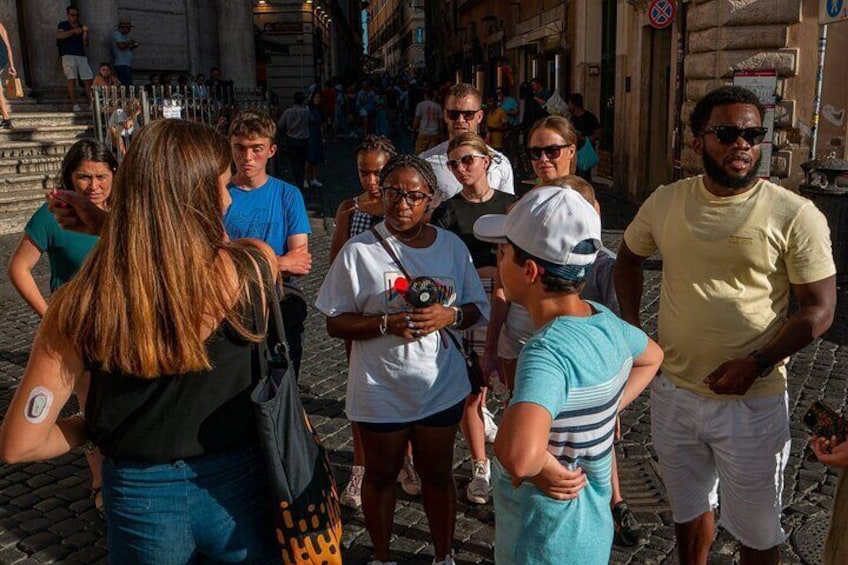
(469, 159)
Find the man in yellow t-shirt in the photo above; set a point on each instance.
(733, 247)
(497, 123)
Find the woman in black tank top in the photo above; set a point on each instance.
(161, 315)
(469, 159)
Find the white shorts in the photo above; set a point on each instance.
(76, 66)
(742, 444)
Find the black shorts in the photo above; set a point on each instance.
(446, 418)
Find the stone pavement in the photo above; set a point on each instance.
(46, 515)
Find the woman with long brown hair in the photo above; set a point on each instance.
(161, 316)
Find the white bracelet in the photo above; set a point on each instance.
(384, 325)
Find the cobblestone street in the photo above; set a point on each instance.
(46, 515)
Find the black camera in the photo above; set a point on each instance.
(423, 292)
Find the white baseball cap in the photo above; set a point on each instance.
(547, 223)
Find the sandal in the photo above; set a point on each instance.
(96, 494)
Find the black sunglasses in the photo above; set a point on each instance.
(551, 151)
(727, 135)
(455, 114)
(413, 198)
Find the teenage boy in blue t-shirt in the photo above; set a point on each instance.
(552, 473)
(266, 208)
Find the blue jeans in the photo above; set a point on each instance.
(213, 508)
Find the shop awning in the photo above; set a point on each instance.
(549, 29)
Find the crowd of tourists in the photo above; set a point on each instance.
(446, 288)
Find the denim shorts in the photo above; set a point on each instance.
(213, 506)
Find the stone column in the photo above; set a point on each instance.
(101, 17)
(236, 43)
(195, 65)
(44, 68)
(9, 19)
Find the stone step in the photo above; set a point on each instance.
(30, 165)
(32, 105)
(24, 149)
(14, 222)
(38, 119)
(14, 184)
(21, 201)
(44, 133)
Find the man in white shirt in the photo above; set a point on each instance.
(463, 113)
(427, 122)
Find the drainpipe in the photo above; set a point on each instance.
(678, 92)
(814, 133)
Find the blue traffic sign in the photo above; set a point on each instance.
(661, 13)
(834, 7)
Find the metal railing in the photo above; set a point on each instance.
(118, 110)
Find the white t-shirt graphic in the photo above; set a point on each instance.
(392, 379)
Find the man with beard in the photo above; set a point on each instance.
(733, 248)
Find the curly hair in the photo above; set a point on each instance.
(373, 142)
(721, 96)
(421, 166)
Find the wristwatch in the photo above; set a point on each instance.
(457, 321)
(765, 366)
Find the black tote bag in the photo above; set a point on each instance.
(307, 515)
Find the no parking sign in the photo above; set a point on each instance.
(661, 13)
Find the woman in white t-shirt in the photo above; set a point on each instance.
(407, 380)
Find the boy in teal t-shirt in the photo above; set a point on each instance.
(552, 473)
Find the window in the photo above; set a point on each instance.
(419, 35)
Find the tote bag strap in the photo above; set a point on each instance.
(266, 300)
(391, 252)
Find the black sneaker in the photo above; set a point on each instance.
(630, 533)
(6, 124)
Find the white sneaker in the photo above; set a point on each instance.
(448, 560)
(408, 478)
(352, 494)
(306, 184)
(490, 428)
(480, 486)
(77, 108)
(316, 182)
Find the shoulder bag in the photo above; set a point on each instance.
(307, 515)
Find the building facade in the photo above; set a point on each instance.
(299, 42)
(313, 38)
(396, 35)
(642, 79)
